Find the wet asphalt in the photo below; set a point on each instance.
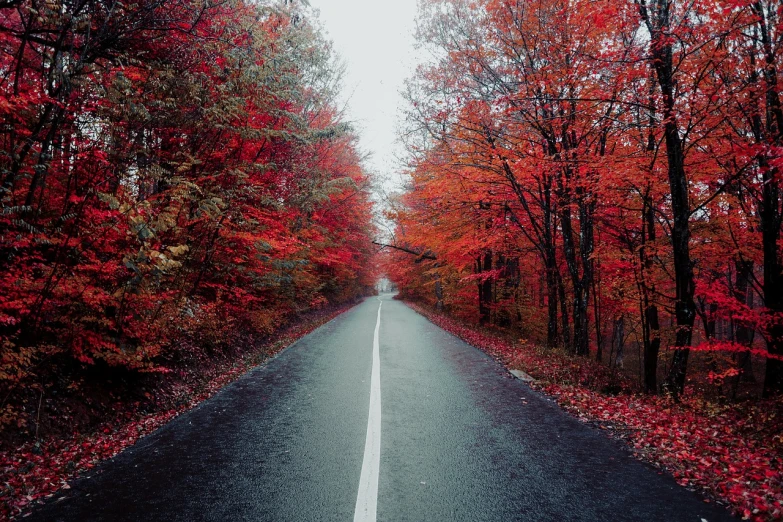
(461, 440)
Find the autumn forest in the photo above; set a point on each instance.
(171, 170)
(600, 182)
(601, 176)
(598, 185)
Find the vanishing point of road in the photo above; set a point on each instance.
(377, 415)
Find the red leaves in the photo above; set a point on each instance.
(34, 472)
(37, 470)
(160, 194)
(181, 187)
(730, 452)
(732, 347)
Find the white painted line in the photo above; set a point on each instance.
(367, 499)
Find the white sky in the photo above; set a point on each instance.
(375, 40)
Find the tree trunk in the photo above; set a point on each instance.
(566, 337)
(652, 338)
(743, 334)
(551, 292)
(484, 264)
(618, 339)
(550, 261)
(586, 204)
(581, 290)
(684, 306)
(770, 212)
(438, 293)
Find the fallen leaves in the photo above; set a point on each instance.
(732, 452)
(36, 471)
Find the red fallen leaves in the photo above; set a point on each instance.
(733, 453)
(37, 470)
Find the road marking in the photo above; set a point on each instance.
(367, 499)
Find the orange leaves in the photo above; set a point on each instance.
(544, 124)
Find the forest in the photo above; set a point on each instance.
(593, 194)
(176, 176)
(603, 178)
(595, 198)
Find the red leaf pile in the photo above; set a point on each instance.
(732, 453)
(37, 470)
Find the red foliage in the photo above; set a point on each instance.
(171, 171)
(564, 181)
(37, 470)
(732, 453)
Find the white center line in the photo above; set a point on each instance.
(367, 499)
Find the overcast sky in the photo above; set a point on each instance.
(375, 40)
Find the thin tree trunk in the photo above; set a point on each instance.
(652, 338)
(685, 309)
(566, 337)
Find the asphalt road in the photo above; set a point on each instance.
(460, 439)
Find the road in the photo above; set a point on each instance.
(452, 436)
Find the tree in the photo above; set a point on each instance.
(169, 168)
(540, 126)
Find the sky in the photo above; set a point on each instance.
(375, 40)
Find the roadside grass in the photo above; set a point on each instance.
(37, 470)
(732, 453)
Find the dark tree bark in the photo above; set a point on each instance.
(566, 337)
(580, 282)
(767, 128)
(657, 17)
(484, 264)
(438, 293)
(651, 325)
(618, 341)
(550, 265)
(770, 212)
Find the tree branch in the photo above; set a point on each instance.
(422, 255)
